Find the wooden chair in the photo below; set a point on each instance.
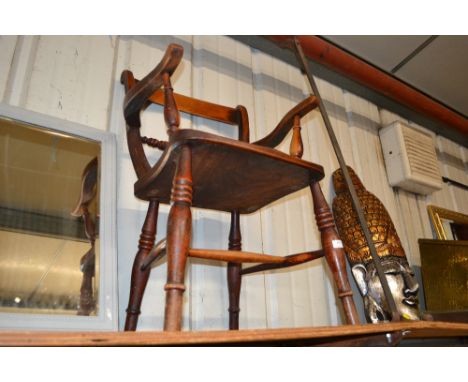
(208, 171)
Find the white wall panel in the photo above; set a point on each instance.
(453, 161)
(271, 106)
(443, 198)
(72, 78)
(460, 197)
(335, 103)
(7, 47)
(208, 293)
(19, 74)
(302, 296)
(78, 78)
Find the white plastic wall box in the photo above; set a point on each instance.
(410, 158)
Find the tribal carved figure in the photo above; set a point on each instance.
(399, 274)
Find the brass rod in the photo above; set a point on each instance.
(158, 252)
(355, 200)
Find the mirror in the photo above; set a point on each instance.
(448, 225)
(51, 223)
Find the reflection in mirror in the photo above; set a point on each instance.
(49, 203)
(448, 225)
(85, 209)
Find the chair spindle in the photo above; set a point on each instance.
(171, 113)
(296, 148)
(156, 143)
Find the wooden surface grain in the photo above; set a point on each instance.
(268, 337)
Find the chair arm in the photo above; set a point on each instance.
(138, 95)
(285, 125)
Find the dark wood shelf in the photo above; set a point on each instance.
(346, 335)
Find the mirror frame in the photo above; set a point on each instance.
(438, 213)
(107, 318)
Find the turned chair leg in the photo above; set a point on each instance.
(334, 252)
(234, 273)
(139, 277)
(179, 230)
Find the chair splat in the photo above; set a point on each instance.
(171, 113)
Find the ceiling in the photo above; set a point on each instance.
(435, 65)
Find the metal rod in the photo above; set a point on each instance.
(414, 53)
(157, 252)
(355, 200)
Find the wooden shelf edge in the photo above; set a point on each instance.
(312, 335)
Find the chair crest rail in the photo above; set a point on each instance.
(138, 95)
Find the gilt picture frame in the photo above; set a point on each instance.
(441, 219)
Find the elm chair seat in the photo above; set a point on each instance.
(228, 175)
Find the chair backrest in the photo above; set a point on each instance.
(156, 88)
(232, 116)
(139, 93)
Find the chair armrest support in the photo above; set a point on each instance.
(138, 95)
(286, 124)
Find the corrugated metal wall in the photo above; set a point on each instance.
(77, 78)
